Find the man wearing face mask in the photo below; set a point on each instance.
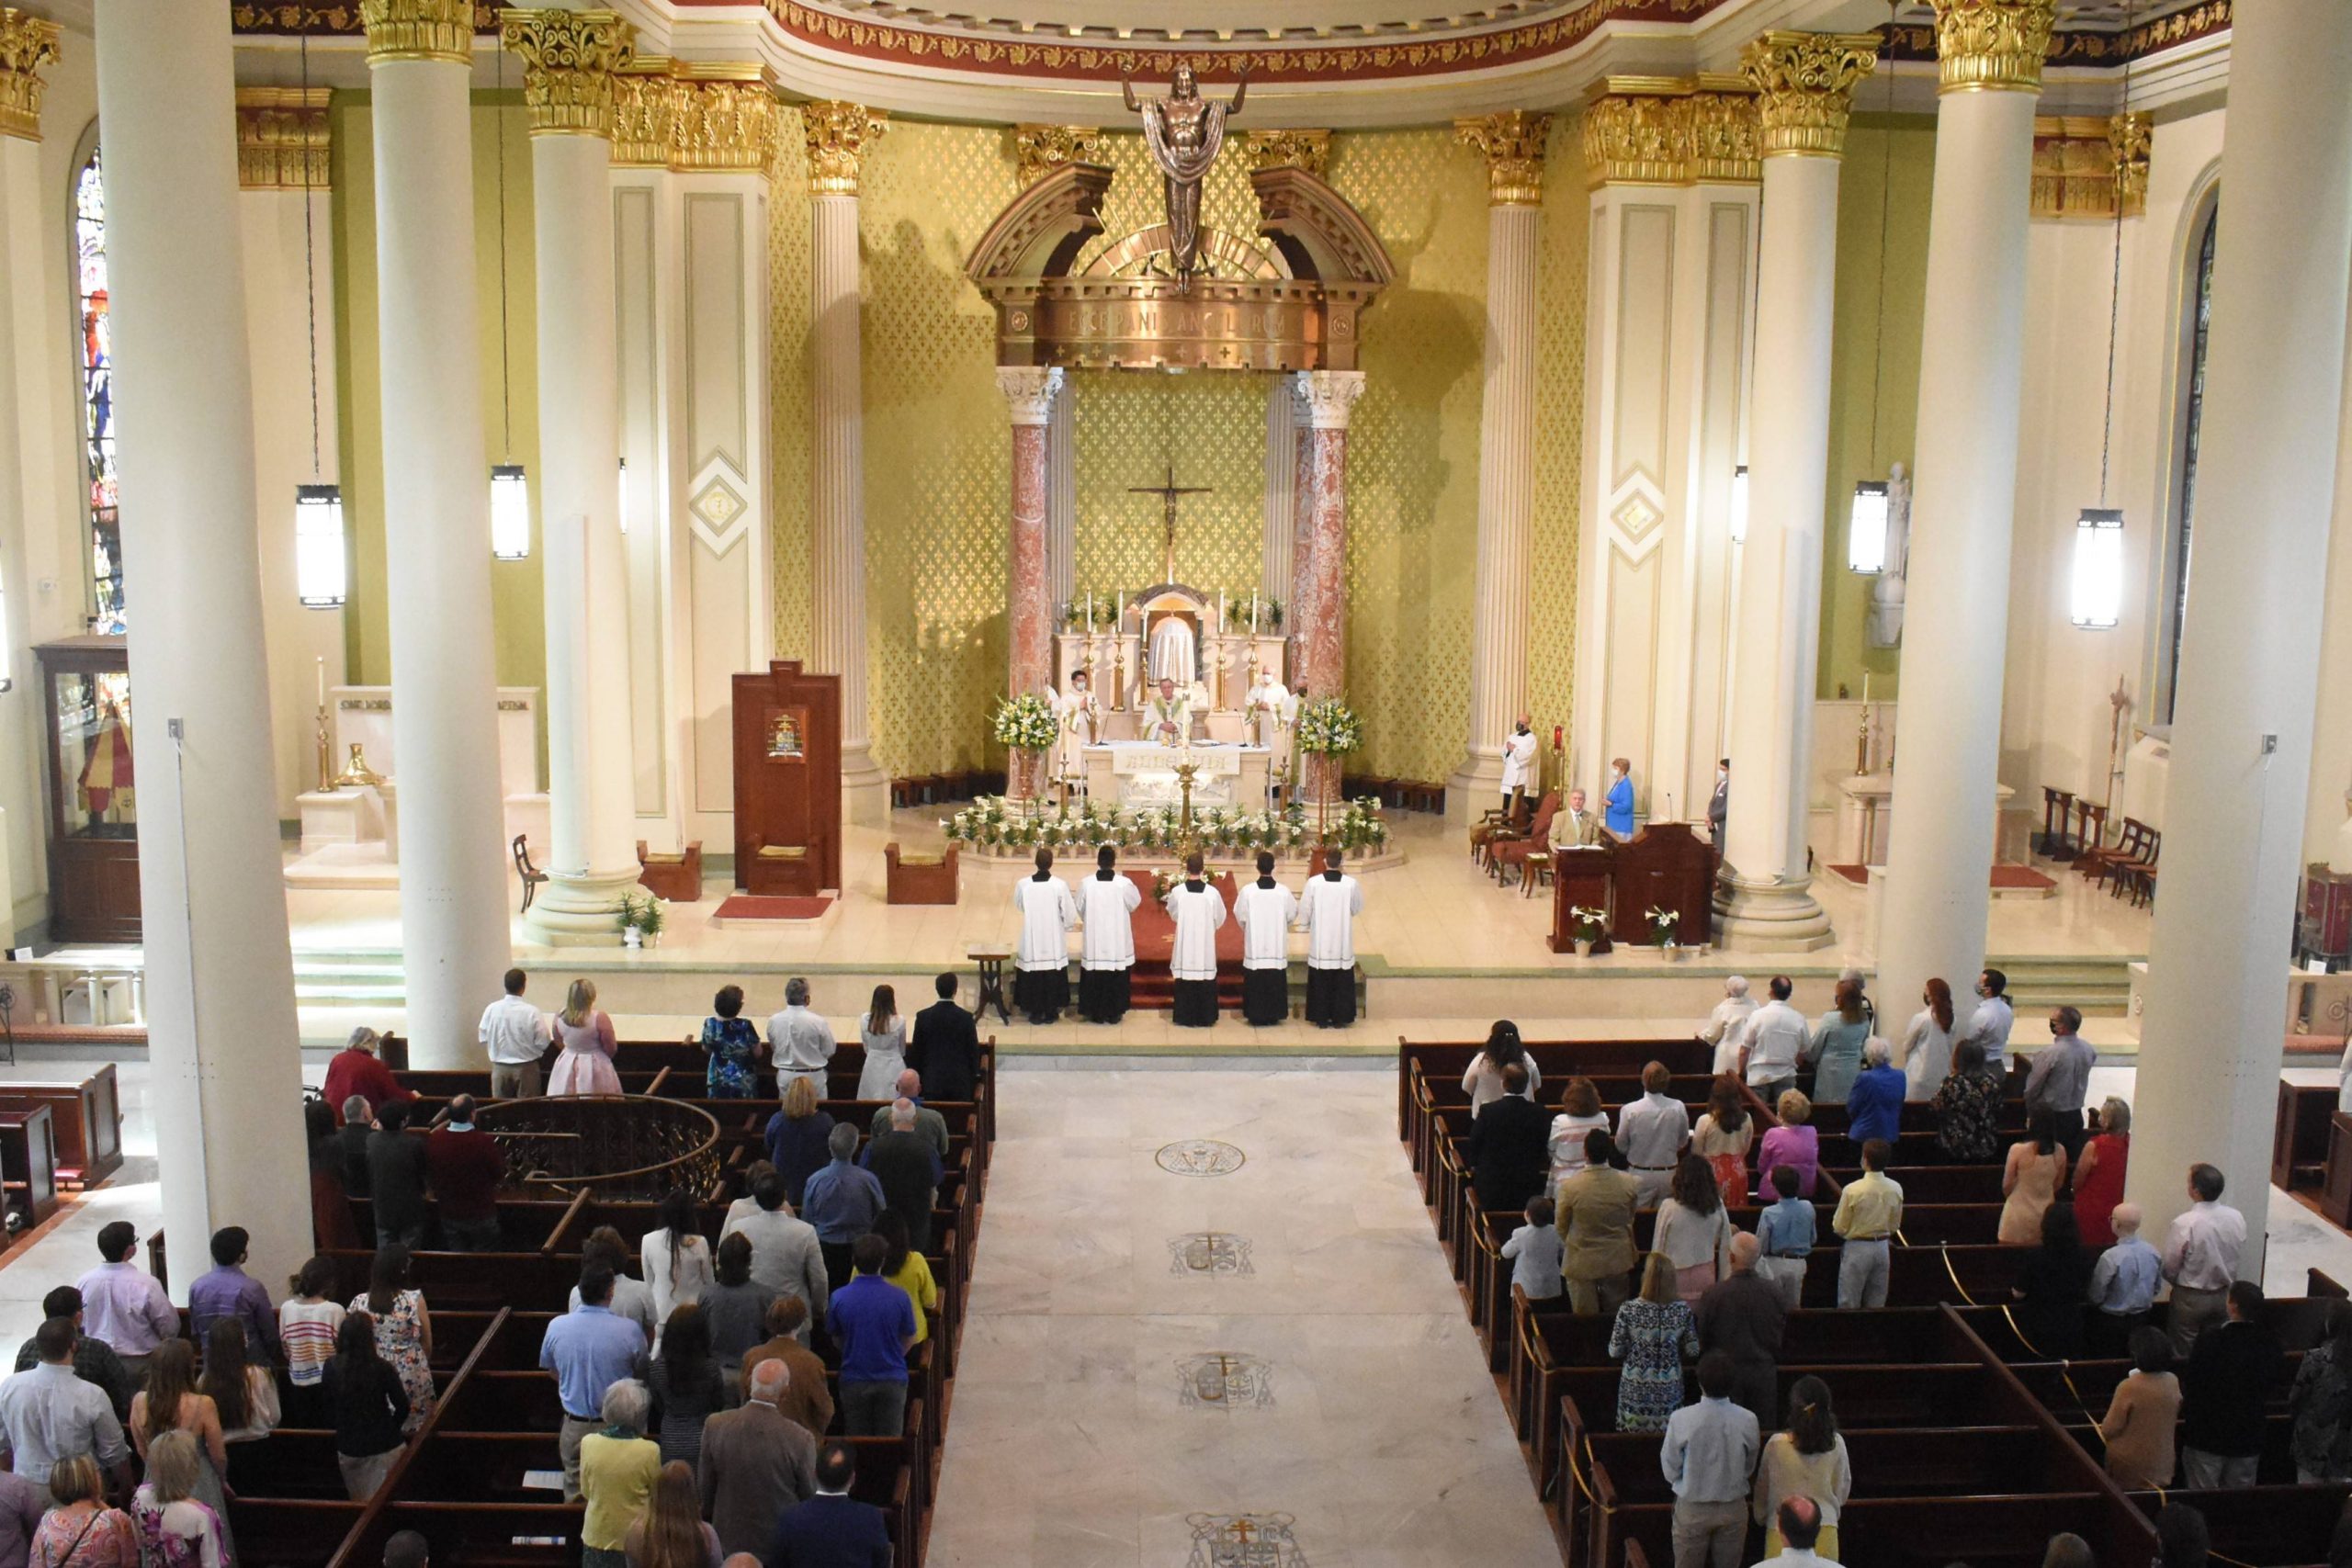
(1990, 1026)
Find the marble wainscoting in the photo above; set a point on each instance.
(1209, 1314)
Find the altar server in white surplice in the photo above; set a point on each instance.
(1105, 901)
(1265, 909)
(1041, 986)
(1328, 909)
(1198, 910)
(1080, 719)
(1518, 759)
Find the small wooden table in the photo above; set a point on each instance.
(990, 961)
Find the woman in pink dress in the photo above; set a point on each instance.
(1794, 1143)
(585, 1065)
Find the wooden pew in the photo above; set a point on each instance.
(87, 1121)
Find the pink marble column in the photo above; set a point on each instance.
(1029, 397)
(1326, 400)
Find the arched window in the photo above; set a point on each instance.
(2200, 301)
(94, 351)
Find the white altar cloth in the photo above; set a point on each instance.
(1141, 773)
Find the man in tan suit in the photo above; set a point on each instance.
(1595, 1216)
(1574, 827)
(756, 1463)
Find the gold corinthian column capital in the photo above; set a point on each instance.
(419, 30)
(1992, 46)
(1804, 88)
(838, 135)
(1513, 143)
(568, 60)
(27, 43)
(1039, 150)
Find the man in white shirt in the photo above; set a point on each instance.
(803, 1042)
(1799, 1519)
(2202, 1260)
(1991, 1023)
(1518, 759)
(1327, 907)
(1652, 1132)
(1197, 910)
(1770, 1043)
(1106, 901)
(516, 1035)
(1725, 1025)
(1265, 909)
(1041, 977)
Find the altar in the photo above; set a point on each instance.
(1138, 773)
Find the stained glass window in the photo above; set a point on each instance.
(2192, 423)
(96, 354)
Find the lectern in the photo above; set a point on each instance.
(787, 782)
(1582, 878)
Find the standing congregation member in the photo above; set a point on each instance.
(1799, 1525)
(1927, 1044)
(909, 1168)
(1652, 1333)
(1693, 1230)
(465, 1167)
(801, 1039)
(1709, 1456)
(2141, 1418)
(2321, 1403)
(1727, 1022)
(732, 1043)
(908, 1270)
(407, 1548)
(2225, 1393)
(2200, 1258)
(1106, 904)
(354, 1070)
(1595, 1212)
(799, 1136)
(2052, 1287)
(842, 1201)
(515, 1035)
(309, 1323)
(739, 1309)
(1652, 1132)
(127, 1309)
(1580, 1113)
(1198, 910)
(1795, 1142)
(1869, 1211)
(1482, 1080)
(2124, 1282)
(1519, 760)
(172, 1403)
(228, 1292)
(81, 1531)
(1834, 1047)
(1746, 1317)
(21, 1505)
(179, 1528)
(1994, 1017)
(786, 1256)
(832, 1530)
(882, 1031)
(929, 1123)
(616, 1469)
(1722, 1137)
(1533, 1249)
(874, 1324)
(94, 1361)
(1874, 1100)
(244, 1391)
(1265, 909)
(806, 1401)
(671, 1533)
(350, 1149)
(1807, 1461)
(632, 1299)
(1327, 907)
(585, 1031)
(1784, 1235)
(1618, 802)
(1041, 973)
(47, 1414)
(2060, 1078)
(1770, 1043)
(946, 1045)
(756, 1463)
(2100, 1173)
(403, 1329)
(1508, 1147)
(397, 1179)
(1968, 1108)
(686, 1384)
(370, 1409)
(590, 1350)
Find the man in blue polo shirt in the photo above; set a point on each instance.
(873, 1321)
(589, 1349)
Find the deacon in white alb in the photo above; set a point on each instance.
(1327, 907)
(1198, 910)
(1041, 984)
(1518, 759)
(1082, 721)
(1105, 901)
(1265, 909)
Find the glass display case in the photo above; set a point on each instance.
(92, 797)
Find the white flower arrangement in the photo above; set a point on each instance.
(1025, 723)
(1328, 727)
(1662, 923)
(1223, 830)
(1588, 920)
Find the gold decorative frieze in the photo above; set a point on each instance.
(419, 30)
(27, 43)
(282, 139)
(725, 125)
(1309, 149)
(569, 58)
(1512, 144)
(2080, 162)
(1671, 130)
(1994, 46)
(1039, 150)
(1804, 88)
(1726, 145)
(646, 101)
(838, 135)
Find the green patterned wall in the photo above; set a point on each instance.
(1132, 427)
(1559, 431)
(789, 457)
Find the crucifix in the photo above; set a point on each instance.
(1167, 493)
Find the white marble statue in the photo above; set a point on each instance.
(1887, 589)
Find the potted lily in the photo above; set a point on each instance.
(641, 920)
(1664, 923)
(1585, 926)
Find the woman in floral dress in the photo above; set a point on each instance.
(1968, 1108)
(403, 1330)
(732, 1043)
(176, 1528)
(1652, 1335)
(81, 1531)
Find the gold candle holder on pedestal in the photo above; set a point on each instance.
(1119, 675)
(326, 754)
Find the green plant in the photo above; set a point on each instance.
(643, 916)
(1662, 923)
(1588, 920)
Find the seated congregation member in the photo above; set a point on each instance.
(756, 1461)
(1580, 1113)
(786, 1256)
(1595, 1214)
(1265, 909)
(1869, 1211)
(2182, 1538)
(1967, 1107)
(1652, 1132)
(227, 1291)
(806, 1401)
(407, 1548)
(1106, 904)
(2140, 1417)
(1509, 1150)
(683, 1382)
(619, 1465)
(909, 1168)
(80, 1531)
(179, 1528)
(882, 1034)
(1533, 1249)
(1041, 966)
(2052, 1287)
(354, 1070)
(1198, 911)
(2035, 1170)
(908, 1270)
(632, 1299)
(842, 1202)
(243, 1391)
(799, 1136)
(1723, 1136)
(2099, 1171)
(370, 1407)
(1784, 1235)
(585, 1033)
(671, 1533)
(2124, 1282)
(590, 1350)
(2321, 1403)
(675, 1255)
(1652, 1335)
(1798, 1523)
(397, 1179)
(2225, 1393)
(1834, 1049)
(309, 1323)
(732, 1043)
(1709, 1457)
(47, 1414)
(736, 1305)
(1694, 1230)
(2067, 1550)
(1327, 907)
(1482, 1080)
(832, 1530)
(121, 1304)
(907, 1086)
(874, 1324)
(94, 1361)
(1807, 1461)
(1874, 1101)
(1795, 1142)
(466, 1168)
(1745, 1317)
(946, 1045)
(1727, 1022)
(514, 1034)
(801, 1039)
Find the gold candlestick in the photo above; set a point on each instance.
(326, 754)
(1119, 675)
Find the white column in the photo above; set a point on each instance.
(454, 927)
(1513, 143)
(568, 59)
(2242, 719)
(838, 135)
(220, 972)
(1939, 856)
(1804, 84)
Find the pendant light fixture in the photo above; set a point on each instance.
(1739, 504)
(2095, 594)
(1866, 521)
(322, 559)
(510, 491)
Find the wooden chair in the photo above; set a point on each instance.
(918, 879)
(1503, 852)
(1499, 822)
(532, 875)
(676, 877)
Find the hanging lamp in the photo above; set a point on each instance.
(509, 489)
(2095, 594)
(322, 555)
(1866, 518)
